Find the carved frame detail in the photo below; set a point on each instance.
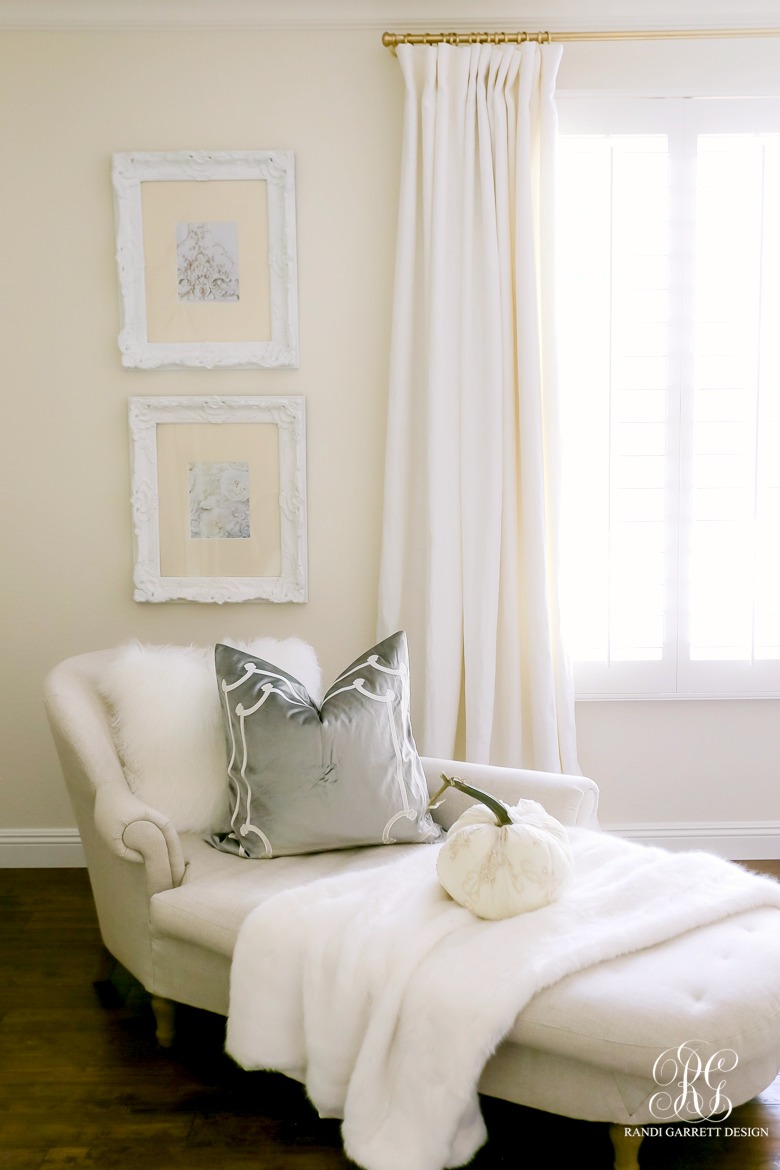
(277, 169)
(288, 414)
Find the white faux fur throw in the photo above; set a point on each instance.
(387, 999)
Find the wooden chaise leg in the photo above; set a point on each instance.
(164, 1015)
(626, 1147)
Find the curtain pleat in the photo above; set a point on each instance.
(469, 542)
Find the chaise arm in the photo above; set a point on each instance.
(109, 815)
(573, 800)
(134, 831)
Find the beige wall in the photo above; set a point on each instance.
(70, 99)
(684, 761)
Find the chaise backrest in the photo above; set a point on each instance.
(129, 809)
(146, 721)
(80, 722)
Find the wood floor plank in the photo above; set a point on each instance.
(62, 1156)
(169, 1157)
(769, 868)
(84, 1129)
(14, 1159)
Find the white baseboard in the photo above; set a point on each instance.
(41, 849)
(736, 840)
(741, 841)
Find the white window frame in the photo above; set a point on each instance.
(675, 676)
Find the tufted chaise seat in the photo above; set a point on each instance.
(170, 907)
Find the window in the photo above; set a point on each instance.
(669, 303)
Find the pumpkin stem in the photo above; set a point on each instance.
(496, 807)
(434, 802)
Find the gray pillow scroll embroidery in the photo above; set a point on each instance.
(304, 779)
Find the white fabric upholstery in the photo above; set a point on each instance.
(573, 801)
(563, 1084)
(210, 908)
(620, 1015)
(169, 908)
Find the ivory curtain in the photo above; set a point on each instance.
(469, 539)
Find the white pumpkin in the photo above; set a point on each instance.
(499, 870)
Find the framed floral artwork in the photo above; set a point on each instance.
(219, 499)
(206, 250)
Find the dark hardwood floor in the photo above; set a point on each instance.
(84, 1084)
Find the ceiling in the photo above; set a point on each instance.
(395, 14)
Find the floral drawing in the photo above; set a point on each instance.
(207, 261)
(219, 501)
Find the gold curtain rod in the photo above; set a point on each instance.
(392, 40)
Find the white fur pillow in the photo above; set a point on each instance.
(167, 723)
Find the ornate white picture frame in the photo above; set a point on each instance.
(219, 499)
(206, 251)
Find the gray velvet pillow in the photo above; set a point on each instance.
(305, 779)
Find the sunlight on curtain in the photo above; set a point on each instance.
(470, 533)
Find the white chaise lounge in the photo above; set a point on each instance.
(170, 906)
